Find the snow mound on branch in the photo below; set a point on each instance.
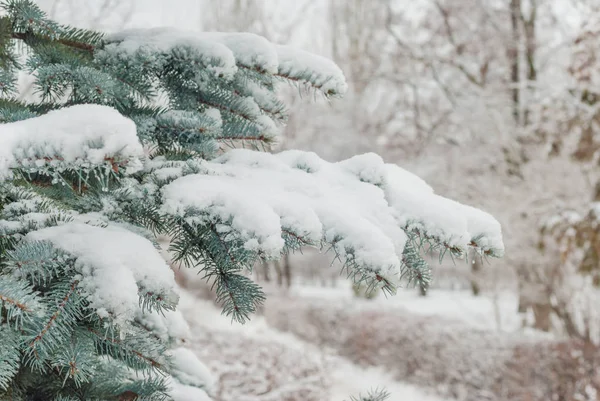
(398, 177)
(250, 50)
(166, 325)
(225, 52)
(264, 197)
(78, 136)
(484, 229)
(189, 370)
(191, 379)
(323, 73)
(164, 40)
(183, 392)
(115, 265)
(444, 220)
(419, 209)
(361, 205)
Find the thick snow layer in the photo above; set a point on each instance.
(164, 40)
(322, 72)
(223, 52)
(445, 220)
(188, 370)
(266, 195)
(417, 207)
(183, 392)
(484, 229)
(115, 265)
(166, 325)
(77, 135)
(250, 50)
(191, 379)
(360, 204)
(398, 177)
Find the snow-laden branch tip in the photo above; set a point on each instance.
(362, 206)
(116, 266)
(318, 71)
(84, 135)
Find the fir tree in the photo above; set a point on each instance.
(143, 133)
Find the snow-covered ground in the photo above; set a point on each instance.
(351, 379)
(344, 377)
(488, 311)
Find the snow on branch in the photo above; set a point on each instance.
(212, 54)
(250, 50)
(84, 136)
(117, 268)
(433, 217)
(430, 216)
(361, 206)
(319, 72)
(224, 53)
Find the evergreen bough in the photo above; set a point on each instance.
(138, 134)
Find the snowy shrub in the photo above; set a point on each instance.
(554, 371)
(459, 361)
(570, 280)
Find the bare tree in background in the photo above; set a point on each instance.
(237, 15)
(570, 239)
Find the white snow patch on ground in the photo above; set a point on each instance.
(487, 312)
(351, 379)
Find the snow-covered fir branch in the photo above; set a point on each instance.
(129, 140)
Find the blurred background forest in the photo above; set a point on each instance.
(495, 103)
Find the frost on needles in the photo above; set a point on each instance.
(99, 165)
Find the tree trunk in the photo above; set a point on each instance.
(476, 267)
(530, 47)
(542, 313)
(277, 266)
(265, 271)
(513, 55)
(524, 299)
(287, 271)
